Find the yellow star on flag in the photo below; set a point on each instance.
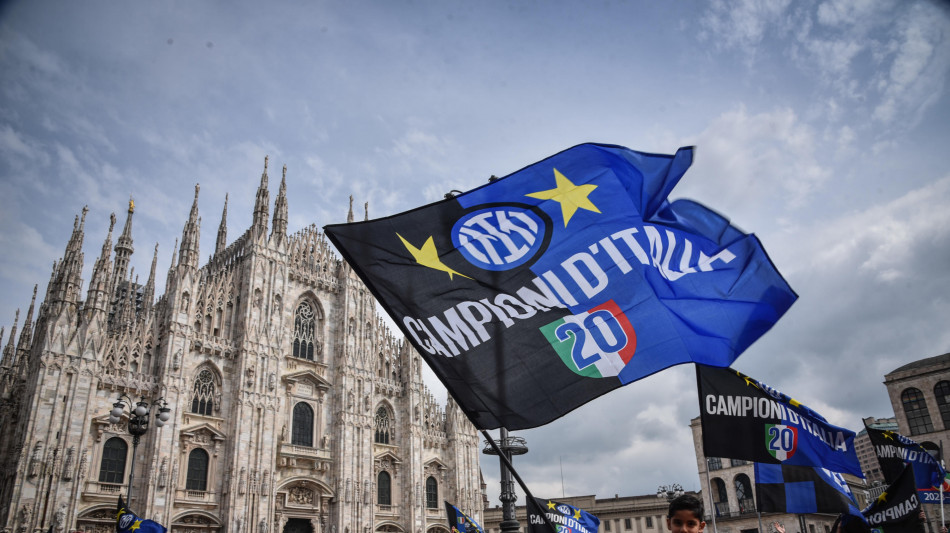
(889, 434)
(577, 514)
(882, 498)
(749, 382)
(428, 256)
(550, 504)
(136, 525)
(571, 197)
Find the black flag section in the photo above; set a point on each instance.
(897, 510)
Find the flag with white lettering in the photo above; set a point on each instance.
(802, 489)
(566, 518)
(743, 418)
(542, 290)
(460, 522)
(894, 450)
(897, 509)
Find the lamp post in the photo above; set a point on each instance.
(509, 446)
(138, 413)
(670, 492)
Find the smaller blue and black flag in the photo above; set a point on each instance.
(460, 522)
(894, 451)
(566, 518)
(127, 522)
(897, 509)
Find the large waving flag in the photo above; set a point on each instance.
(127, 522)
(802, 490)
(746, 419)
(460, 522)
(566, 518)
(547, 288)
(894, 450)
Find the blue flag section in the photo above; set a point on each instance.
(743, 418)
(459, 522)
(566, 518)
(802, 489)
(894, 451)
(547, 288)
(127, 522)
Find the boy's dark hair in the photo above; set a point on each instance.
(686, 502)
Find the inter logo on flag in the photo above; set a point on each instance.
(781, 441)
(598, 343)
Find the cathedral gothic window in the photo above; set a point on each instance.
(432, 493)
(114, 454)
(384, 488)
(303, 425)
(197, 470)
(202, 402)
(304, 322)
(384, 426)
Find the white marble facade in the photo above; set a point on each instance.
(293, 406)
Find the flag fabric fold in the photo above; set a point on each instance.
(566, 518)
(542, 290)
(128, 522)
(743, 418)
(783, 488)
(460, 522)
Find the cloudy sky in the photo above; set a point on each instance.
(823, 127)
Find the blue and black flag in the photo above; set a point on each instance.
(894, 450)
(565, 518)
(127, 522)
(743, 418)
(540, 291)
(897, 509)
(460, 522)
(802, 490)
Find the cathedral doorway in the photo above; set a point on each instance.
(298, 525)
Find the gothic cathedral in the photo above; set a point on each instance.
(293, 408)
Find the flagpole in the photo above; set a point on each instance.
(942, 519)
(511, 469)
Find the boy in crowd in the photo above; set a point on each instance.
(685, 515)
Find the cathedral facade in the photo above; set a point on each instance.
(291, 407)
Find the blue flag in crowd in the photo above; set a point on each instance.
(566, 518)
(127, 522)
(743, 418)
(783, 488)
(460, 522)
(547, 288)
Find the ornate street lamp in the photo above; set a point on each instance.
(670, 492)
(138, 413)
(510, 446)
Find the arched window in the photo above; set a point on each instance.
(942, 392)
(432, 493)
(303, 425)
(744, 494)
(384, 488)
(197, 470)
(303, 331)
(918, 417)
(384, 426)
(202, 401)
(114, 453)
(719, 496)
